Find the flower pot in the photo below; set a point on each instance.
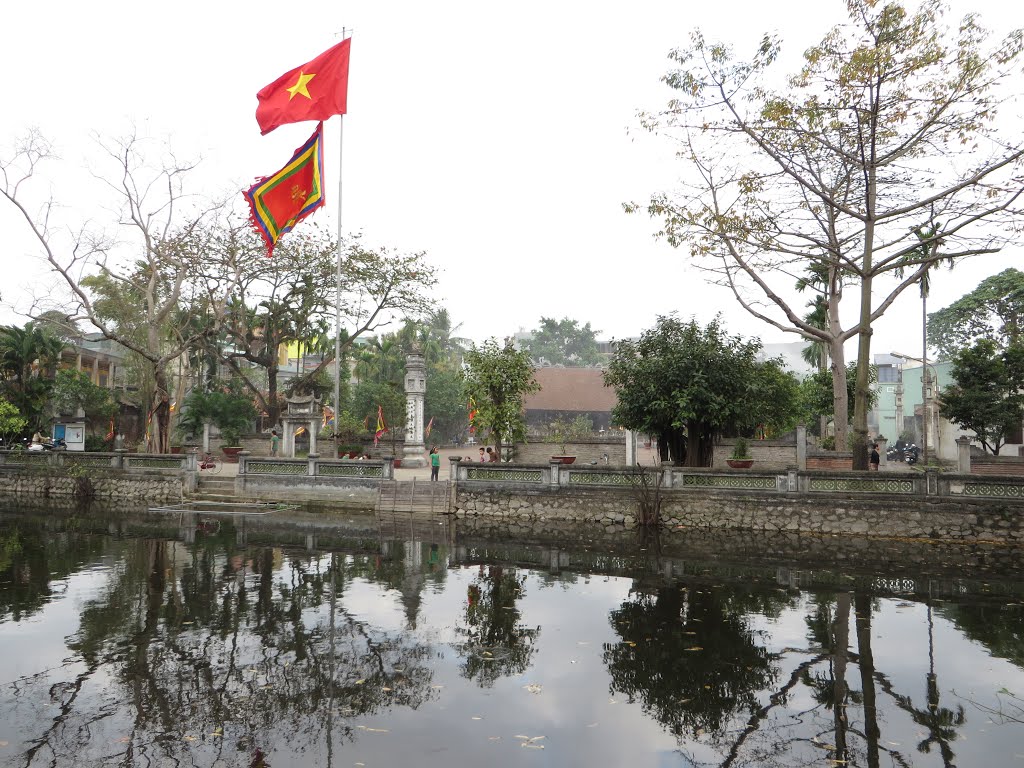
(231, 453)
(740, 463)
(564, 459)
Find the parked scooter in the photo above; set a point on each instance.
(911, 454)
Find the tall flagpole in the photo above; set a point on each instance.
(337, 297)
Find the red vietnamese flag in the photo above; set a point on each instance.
(314, 91)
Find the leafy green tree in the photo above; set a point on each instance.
(890, 119)
(368, 395)
(986, 397)
(444, 402)
(12, 423)
(73, 390)
(816, 398)
(497, 379)
(689, 384)
(227, 408)
(994, 310)
(564, 342)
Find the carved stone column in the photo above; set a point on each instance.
(415, 391)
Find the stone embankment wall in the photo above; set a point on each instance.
(912, 516)
(104, 486)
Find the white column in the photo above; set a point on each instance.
(415, 391)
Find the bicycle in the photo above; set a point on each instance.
(208, 463)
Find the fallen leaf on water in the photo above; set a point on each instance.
(385, 688)
(360, 682)
(124, 740)
(494, 738)
(368, 729)
(612, 701)
(476, 717)
(583, 642)
(190, 738)
(695, 648)
(591, 725)
(437, 686)
(533, 688)
(217, 732)
(528, 745)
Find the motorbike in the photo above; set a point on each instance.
(911, 454)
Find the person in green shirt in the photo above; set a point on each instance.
(275, 441)
(435, 462)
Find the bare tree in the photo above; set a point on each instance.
(888, 131)
(130, 300)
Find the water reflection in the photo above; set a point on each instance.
(142, 641)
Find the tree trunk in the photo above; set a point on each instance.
(273, 410)
(862, 392)
(161, 423)
(840, 394)
(866, 662)
(840, 631)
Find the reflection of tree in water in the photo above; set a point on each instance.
(192, 653)
(690, 656)
(496, 642)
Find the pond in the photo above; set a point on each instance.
(217, 642)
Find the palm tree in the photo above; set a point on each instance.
(26, 354)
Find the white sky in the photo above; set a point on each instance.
(500, 139)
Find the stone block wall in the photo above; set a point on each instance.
(830, 460)
(585, 451)
(767, 454)
(997, 465)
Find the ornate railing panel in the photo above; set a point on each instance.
(354, 469)
(740, 482)
(995, 490)
(506, 475)
(860, 485)
(278, 467)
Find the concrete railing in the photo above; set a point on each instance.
(555, 475)
(121, 460)
(314, 466)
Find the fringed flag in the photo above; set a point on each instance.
(381, 427)
(472, 415)
(278, 202)
(430, 425)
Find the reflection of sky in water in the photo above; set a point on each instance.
(562, 695)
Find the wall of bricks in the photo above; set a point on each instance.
(997, 465)
(585, 451)
(767, 454)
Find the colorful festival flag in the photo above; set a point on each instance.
(314, 91)
(472, 415)
(430, 425)
(381, 427)
(278, 202)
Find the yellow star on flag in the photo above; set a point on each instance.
(300, 86)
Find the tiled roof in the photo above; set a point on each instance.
(571, 389)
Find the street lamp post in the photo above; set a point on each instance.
(925, 406)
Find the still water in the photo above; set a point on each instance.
(210, 644)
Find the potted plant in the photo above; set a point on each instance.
(740, 457)
(564, 432)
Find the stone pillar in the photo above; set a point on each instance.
(453, 470)
(963, 455)
(415, 391)
(630, 448)
(801, 448)
(883, 461)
